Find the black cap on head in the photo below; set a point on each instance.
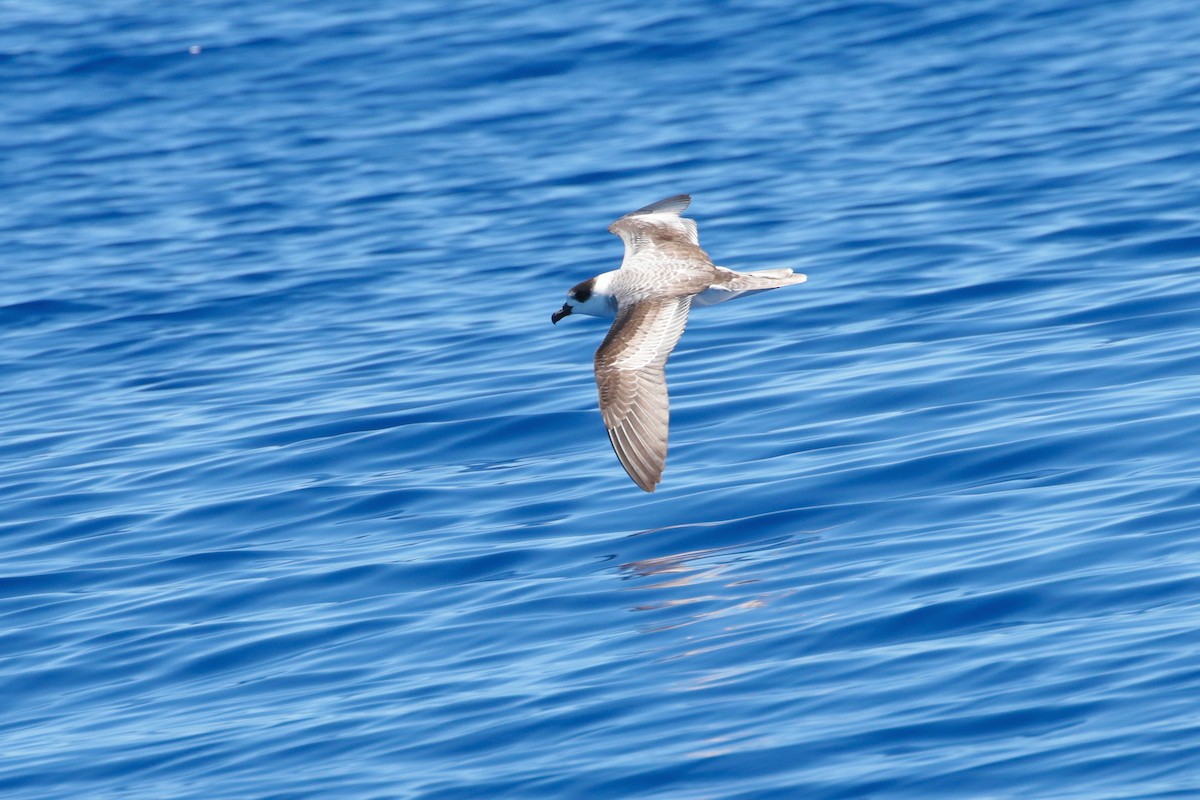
(582, 292)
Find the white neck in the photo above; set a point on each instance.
(603, 283)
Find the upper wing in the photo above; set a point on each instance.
(633, 385)
(657, 225)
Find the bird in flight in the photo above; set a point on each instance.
(663, 275)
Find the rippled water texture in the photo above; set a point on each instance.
(301, 495)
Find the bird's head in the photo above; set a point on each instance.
(590, 297)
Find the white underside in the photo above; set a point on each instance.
(710, 297)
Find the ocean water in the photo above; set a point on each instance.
(301, 494)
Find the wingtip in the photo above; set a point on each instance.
(645, 479)
(675, 204)
(647, 483)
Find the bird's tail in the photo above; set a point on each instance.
(730, 284)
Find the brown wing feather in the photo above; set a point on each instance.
(632, 384)
(659, 224)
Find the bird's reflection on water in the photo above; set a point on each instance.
(719, 580)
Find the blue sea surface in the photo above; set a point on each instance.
(302, 496)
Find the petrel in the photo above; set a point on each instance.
(663, 275)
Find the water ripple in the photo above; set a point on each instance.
(303, 496)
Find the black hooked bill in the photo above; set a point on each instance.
(562, 312)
